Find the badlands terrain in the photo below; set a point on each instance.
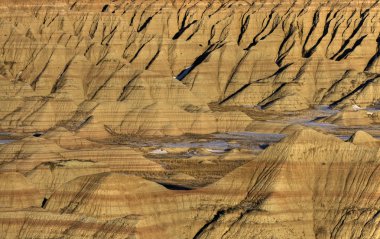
(189, 119)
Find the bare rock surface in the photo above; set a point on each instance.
(154, 67)
(189, 119)
(310, 184)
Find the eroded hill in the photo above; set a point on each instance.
(189, 119)
(167, 67)
(309, 185)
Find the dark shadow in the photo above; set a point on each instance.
(105, 8)
(37, 134)
(318, 118)
(44, 202)
(263, 146)
(174, 186)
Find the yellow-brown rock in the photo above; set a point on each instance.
(155, 66)
(31, 152)
(95, 95)
(104, 195)
(353, 118)
(306, 186)
(68, 140)
(365, 139)
(16, 191)
(50, 175)
(310, 185)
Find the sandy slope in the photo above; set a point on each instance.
(153, 67)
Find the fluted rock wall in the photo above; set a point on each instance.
(156, 65)
(310, 185)
(90, 77)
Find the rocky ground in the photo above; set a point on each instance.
(189, 119)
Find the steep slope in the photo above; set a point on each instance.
(59, 156)
(104, 195)
(310, 185)
(363, 138)
(313, 186)
(85, 83)
(156, 65)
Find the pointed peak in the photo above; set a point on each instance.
(309, 135)
(363, 138)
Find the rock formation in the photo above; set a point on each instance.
(353, 118)
(308, 185)
(156, 67)
(18, 192)
(363, 138)
(47, 165)
(133, 119)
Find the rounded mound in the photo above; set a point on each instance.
(105, 195)
(363, 138)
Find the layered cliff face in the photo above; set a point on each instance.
(309, 185)
(154, 67)
(132, 119)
